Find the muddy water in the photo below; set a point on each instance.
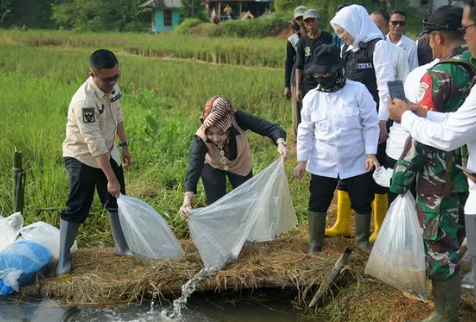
(200, 308)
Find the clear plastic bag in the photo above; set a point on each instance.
(46, 235)
(382, 176)
(398, 255)
(258, 210)
(10, 229)
(147, 234)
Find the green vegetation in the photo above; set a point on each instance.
(162, 103)
(235, 51)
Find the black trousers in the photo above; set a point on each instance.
(83, 180)
(360, 189)
(214, 182)
(382, 159)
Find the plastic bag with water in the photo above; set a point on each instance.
(46, 235)
(258, 210)
(147, 234)
(10, 229)
(382, 176)
(398, 255)
(19, 264)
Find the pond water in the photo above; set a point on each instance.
(200, 308)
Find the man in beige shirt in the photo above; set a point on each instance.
(91, 156)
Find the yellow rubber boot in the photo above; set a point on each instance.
(344, 212)
(380, 206)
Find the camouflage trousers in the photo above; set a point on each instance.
(442, 220)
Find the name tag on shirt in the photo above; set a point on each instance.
(364, 65)
(115, 98)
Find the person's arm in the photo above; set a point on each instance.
(113, 185)
(258, 125)
(455, 130)
(121, 134)
(384, 72)
(305, 137)
(288, 68)
(369, 119)
(407, 167)
(299, 68)
(434, 93)
(197, 154)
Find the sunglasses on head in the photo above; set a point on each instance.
(397, 22)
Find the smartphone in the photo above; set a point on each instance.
(395, 88)
(464, 169)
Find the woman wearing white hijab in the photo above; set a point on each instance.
(369, 60)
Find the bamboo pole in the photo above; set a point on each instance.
(18, 182)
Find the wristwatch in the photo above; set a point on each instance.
(124, 144)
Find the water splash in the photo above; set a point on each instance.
(187, 290)
(154, 297)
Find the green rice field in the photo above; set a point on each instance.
(163, 96)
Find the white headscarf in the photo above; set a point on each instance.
(357, 22)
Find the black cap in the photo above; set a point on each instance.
(326, 60)
(443, 18)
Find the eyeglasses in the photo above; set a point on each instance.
(397, 22)
(465, 28)
(109, 80)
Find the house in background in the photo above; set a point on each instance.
(165, 14)
(239, 7)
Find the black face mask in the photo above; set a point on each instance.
(327, 82)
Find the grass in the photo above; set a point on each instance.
(162, 103)
(224, 50)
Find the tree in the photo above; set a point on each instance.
(100, 15)
(5, 11)
(193, 9)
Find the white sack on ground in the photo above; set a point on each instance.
(398, 255)
(10, 229)
(258, 210)
(46, 235)
(147, 234)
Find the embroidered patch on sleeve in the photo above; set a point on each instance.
(88, 115)
(425, 93)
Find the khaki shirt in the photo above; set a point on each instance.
(92, 124)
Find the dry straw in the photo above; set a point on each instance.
(99, 277)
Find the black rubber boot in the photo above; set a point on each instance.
(317, 227)
(120, 243)
(447, 297)
(362, 231)
(68, 232)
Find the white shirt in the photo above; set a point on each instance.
(398, 136)
(400, 62)
(410, 49)
(448, 131)
(337, 130)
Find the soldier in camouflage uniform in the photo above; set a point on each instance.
(441, 187)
